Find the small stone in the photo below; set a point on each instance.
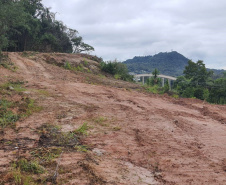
(99, 152)
(11, 88)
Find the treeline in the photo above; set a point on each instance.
(169, 63)
(198, 82)
(26, 25)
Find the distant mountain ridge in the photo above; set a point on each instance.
(168, 63)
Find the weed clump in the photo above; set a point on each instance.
(53, 136)
(29, 166)
(7, 63)
(82, 130)
(7, 117)
(12, 111)
(46, 155)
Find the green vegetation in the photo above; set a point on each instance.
(27, 25)
(12, 111)
(7, 117)
(54, 137)
(19, 178)
(13, 86)
(80, 67)
(101, 121)
(22, 171)
(82, 130)
(6, 62)
(169, 63)
(198, 82)
(81, 148)
(29, 166)
(46, 155)
(118, 69)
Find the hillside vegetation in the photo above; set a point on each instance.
(27, 25)
(168, 63)
(171, 63)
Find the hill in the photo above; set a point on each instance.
(172, 63)
(168, 63)
(62, 121)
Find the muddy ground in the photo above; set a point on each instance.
(133, 137)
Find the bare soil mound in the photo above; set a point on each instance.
(91, 129)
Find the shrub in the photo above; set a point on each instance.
(119, 70)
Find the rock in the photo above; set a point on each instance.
(98, 152)
(11, 88)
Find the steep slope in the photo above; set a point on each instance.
(133, 137)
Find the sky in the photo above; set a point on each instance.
(122, 29)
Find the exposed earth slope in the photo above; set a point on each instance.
(133, 137)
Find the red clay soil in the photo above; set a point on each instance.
(133, 137)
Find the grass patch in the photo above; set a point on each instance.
(19, 178)
(79, 67)
(12, 111)
(82, 130)
(46, 155)
(7, 63)
(7, 117)
(31, 107)
(29, 53)
(101, 121)
(154, 89)
(101, 76)
(52, 136)
(22, 171)
(29, 166)
(42, 92)
(86, 63)
(81, 148)
(13, 86)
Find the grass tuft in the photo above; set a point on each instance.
(82, 130)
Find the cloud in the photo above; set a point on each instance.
(126, 28)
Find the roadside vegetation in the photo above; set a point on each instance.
(197, 82)
(117, 69)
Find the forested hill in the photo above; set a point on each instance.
(27, 25)
(168, 63)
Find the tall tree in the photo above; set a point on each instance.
(28, 25)
(197, 73)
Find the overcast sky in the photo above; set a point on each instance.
(122, 29)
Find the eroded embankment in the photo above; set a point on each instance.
(95, 130)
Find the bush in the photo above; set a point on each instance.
(188, 92)
(117, 69)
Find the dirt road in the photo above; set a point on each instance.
(133, 137)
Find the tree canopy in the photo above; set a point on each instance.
(26, 25)
(198, 82)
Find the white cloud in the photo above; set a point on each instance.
(124, 28)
